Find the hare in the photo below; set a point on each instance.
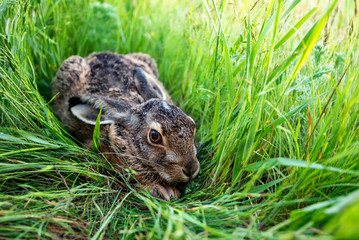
(140, 127)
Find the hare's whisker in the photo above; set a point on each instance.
(127, 155)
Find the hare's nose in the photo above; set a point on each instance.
(190, 170)
(186, 172)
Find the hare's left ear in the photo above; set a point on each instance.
(145, 58)
(147, 86)
(89, 114)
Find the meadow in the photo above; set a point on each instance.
(272, 85)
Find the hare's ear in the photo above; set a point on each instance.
(146, 59)
(87, 109)
(147, 85)
(88, 114)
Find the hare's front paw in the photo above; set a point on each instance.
(166, 193)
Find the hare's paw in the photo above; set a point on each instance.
(165, 193)
(173, 192)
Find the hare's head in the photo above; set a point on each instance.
(154, 135)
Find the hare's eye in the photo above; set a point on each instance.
(155, 136)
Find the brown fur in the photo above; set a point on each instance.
(134, 101)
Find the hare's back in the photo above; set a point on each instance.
(110, 74)
(122, 77)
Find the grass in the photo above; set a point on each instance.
(273, 87)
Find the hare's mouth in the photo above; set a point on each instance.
(175, 176)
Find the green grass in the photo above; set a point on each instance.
(274, 89)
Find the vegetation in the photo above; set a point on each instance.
(273, 86)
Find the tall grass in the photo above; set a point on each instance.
(273, 88)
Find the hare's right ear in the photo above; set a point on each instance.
(88, 114)
(87, 109)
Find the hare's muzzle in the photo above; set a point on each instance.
(191, 169)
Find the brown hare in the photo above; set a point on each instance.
(141, 128)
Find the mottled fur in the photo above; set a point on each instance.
(134, 102)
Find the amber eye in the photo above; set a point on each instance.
(155, 136)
